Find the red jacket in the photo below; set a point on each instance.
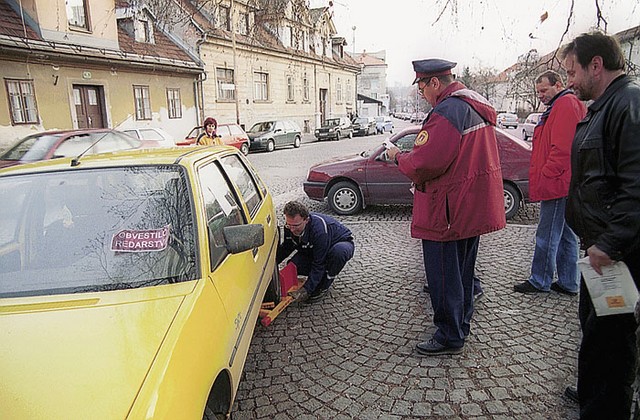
(455, 167)
(550, 167)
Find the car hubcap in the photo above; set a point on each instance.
(508, 202)
(345, 200)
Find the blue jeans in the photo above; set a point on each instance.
(556, 249)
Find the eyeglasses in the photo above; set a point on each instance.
(426, 83)
(294, 225)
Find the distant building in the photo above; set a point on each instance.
(372, 84)
(280, 61)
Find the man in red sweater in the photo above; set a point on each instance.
(549, 174)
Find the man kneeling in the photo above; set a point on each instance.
(323, 247)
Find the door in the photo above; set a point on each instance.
(89, 103)
(385, 183)
(323, 106)
(280, 134)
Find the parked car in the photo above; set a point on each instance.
(231, 134)
(137, 277)
(69, 143)
(417, 117)
(529, 124)
(507, 120)
(267, 135)
(334, 129)
(364, 126)
(163, 138)
(384, 124)
(353, 182)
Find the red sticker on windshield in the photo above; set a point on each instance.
(129, 240)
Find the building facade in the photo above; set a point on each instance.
(83, 64)
(372, 84)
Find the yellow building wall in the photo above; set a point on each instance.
(54, 83)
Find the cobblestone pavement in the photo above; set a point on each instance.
(352, 354)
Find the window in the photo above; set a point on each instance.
(222, 209)
(77, 14)
(243, 23)
(144, 31)
(349, 97)
(224, 21)
(22, 101)
(226, 84)
(245, 183)
(142, 102)
(261, 86)
(174, 104)
(339, 90)
(290, 93)
(305, 89)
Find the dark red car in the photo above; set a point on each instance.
(352, 182)
(68, 143)
(232, 135)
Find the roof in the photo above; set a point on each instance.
(368, 100)
(137, 157)
(19, 39)
(368, 60)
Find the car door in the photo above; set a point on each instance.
(280, 134)
(234, 276)
(385, 183)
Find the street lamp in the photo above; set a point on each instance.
(353, 28)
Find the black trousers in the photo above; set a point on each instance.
(337, 258)
(449, 267)
(607, 358)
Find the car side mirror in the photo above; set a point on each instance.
(278, 130)
(240, 238)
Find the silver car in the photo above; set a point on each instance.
(529, 124)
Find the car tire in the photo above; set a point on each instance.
(271, 146)
(512, 200)
(337, 136)
(296, 142)
(274, 289)
(244, 149)
(350, 134)
(344, 198)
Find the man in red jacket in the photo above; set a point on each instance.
(556, 247)
(455, 168)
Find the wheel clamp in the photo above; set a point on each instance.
(288, 283)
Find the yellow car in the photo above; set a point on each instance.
(130, 283)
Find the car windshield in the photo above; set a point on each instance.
(261, 126)
(31, 148)
(333, 122)
(95, 230)
(362, 121)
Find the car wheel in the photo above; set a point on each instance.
(337, 136)
(296, 142)
(271, 146)
(274, 289)
(512, 200)
(350, 134)
(344, 198)
(244, 149)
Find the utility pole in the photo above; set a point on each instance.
(353, 28)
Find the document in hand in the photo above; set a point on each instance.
(613, 292)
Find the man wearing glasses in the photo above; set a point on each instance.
(323, 247)
(458, 196)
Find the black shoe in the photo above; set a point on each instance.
(571, 393)
(526, 287)
(557, 288)
(317, 295)
(433, 348)
(478, 296)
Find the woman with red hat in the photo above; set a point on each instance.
(209, 136)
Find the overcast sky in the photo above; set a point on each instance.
(483, 33)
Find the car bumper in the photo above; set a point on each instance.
(314, 190)
(258, 145)
(322, 136)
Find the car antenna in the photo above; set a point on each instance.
(76, 160)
